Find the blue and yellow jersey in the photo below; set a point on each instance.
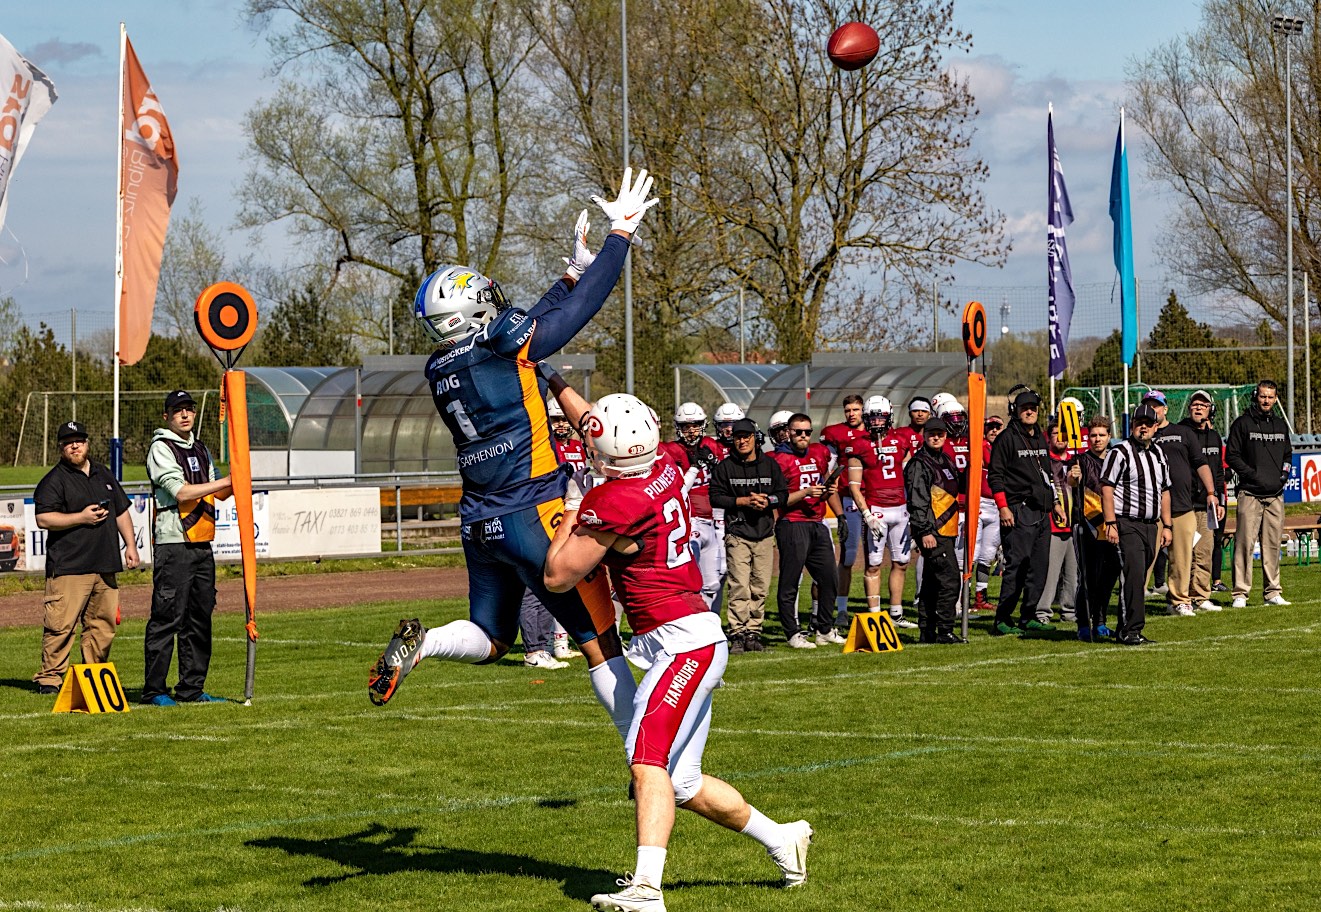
(493, 400)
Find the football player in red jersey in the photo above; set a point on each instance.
(636, 523)
(919, 410)
(801, 534)
(988, 534)
(691, 448)
(876, 477)
(837, 438)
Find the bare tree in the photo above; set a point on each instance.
(1213, 104)
(404, 141)
(194, 258)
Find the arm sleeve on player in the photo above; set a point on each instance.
(560, 320)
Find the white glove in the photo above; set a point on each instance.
(873, 522)
(627, 210)
(582, 256)
(573, 496)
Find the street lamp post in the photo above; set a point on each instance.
(1288, 26)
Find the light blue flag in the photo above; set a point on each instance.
(1121, 215)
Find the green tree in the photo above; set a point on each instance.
(305, 329)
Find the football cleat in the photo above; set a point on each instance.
(396, 662)
(634, 897)
(792, 857)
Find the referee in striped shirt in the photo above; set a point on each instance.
(1135, 501)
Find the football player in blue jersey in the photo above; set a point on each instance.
(486, 384)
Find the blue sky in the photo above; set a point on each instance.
(208, 68)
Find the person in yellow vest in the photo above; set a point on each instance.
(184, 487)
(932, 483)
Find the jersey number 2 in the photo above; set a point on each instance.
(677, 550)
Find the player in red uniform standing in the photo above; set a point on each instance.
(876, 477)
(988, 533)
(691, 448)
(637, 525)
(919, 410)
(837, 438)
(801, 534)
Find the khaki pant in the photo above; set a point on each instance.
(1181, 558)
(1199, 580)
(89, 599)
(748, 564)
(1259, 519)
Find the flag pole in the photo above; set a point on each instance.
(116, 445)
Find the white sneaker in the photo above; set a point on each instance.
(635, 897)
(1278, 600)
(1161, 590)
(902, 622)
(799, 641)
(542, 659)
(833, 638)
(792, 858)
(1209, 605)
(1180, 611)
(1239, 602)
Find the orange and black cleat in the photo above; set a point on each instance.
(396, 662)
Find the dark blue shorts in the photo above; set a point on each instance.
(506, 555)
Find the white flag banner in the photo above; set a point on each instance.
(28, 95)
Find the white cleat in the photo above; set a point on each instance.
(1181, 611)
(562, 648)
(1239, 602)
(830, 638)
(1278, 600)
(635, 897)
(1209, 605)
(800, 641)
(542, 659)
(792, 857)
(902, 623)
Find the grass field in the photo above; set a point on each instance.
(1039, 774)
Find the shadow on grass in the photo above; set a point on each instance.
(19, 684)
(381, 850)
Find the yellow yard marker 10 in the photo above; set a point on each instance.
(91, 689)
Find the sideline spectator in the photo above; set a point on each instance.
(1062, 575)
(1135, 502)
(1261, 456)
(1200, 412)
(183, 577)
(1186, 464)
(538, 629)
(1098, 559)
(73, 503)
(1020, 482)
(801, 534)
(749, 487)
(932, 484)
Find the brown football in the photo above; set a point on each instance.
(853, 45)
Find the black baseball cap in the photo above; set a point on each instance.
(178, 399)
(1145, 412)
(1027, 398)
(743, 426)
(71, 430)
(935, 424)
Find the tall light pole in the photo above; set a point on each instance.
(628, 261)
(1288, 26)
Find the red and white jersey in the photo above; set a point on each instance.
(883, 467)
(837, 438)
(986, 468)
(573, 452)
(661, 583)
(915, 438)
(805, 471)
(956, 448)
(699, 495)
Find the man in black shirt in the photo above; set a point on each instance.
(1186, 462)
(1259, 452)
(85, 513)
(750, 488)
(1200, 412)
(932, 484)
(1020, 483)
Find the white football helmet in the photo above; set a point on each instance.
(689, 423)
(559, 422)
(942, 400)
(553, 408)
(622, 432)
(726, 415)
(878, 413)
(780, 426)
(952, 413)
(455, 301)
(1076, 403)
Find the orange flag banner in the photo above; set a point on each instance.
(148, 182)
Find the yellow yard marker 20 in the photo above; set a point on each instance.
(91, 689)
(871, 631)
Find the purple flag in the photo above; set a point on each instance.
(1058, 214)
